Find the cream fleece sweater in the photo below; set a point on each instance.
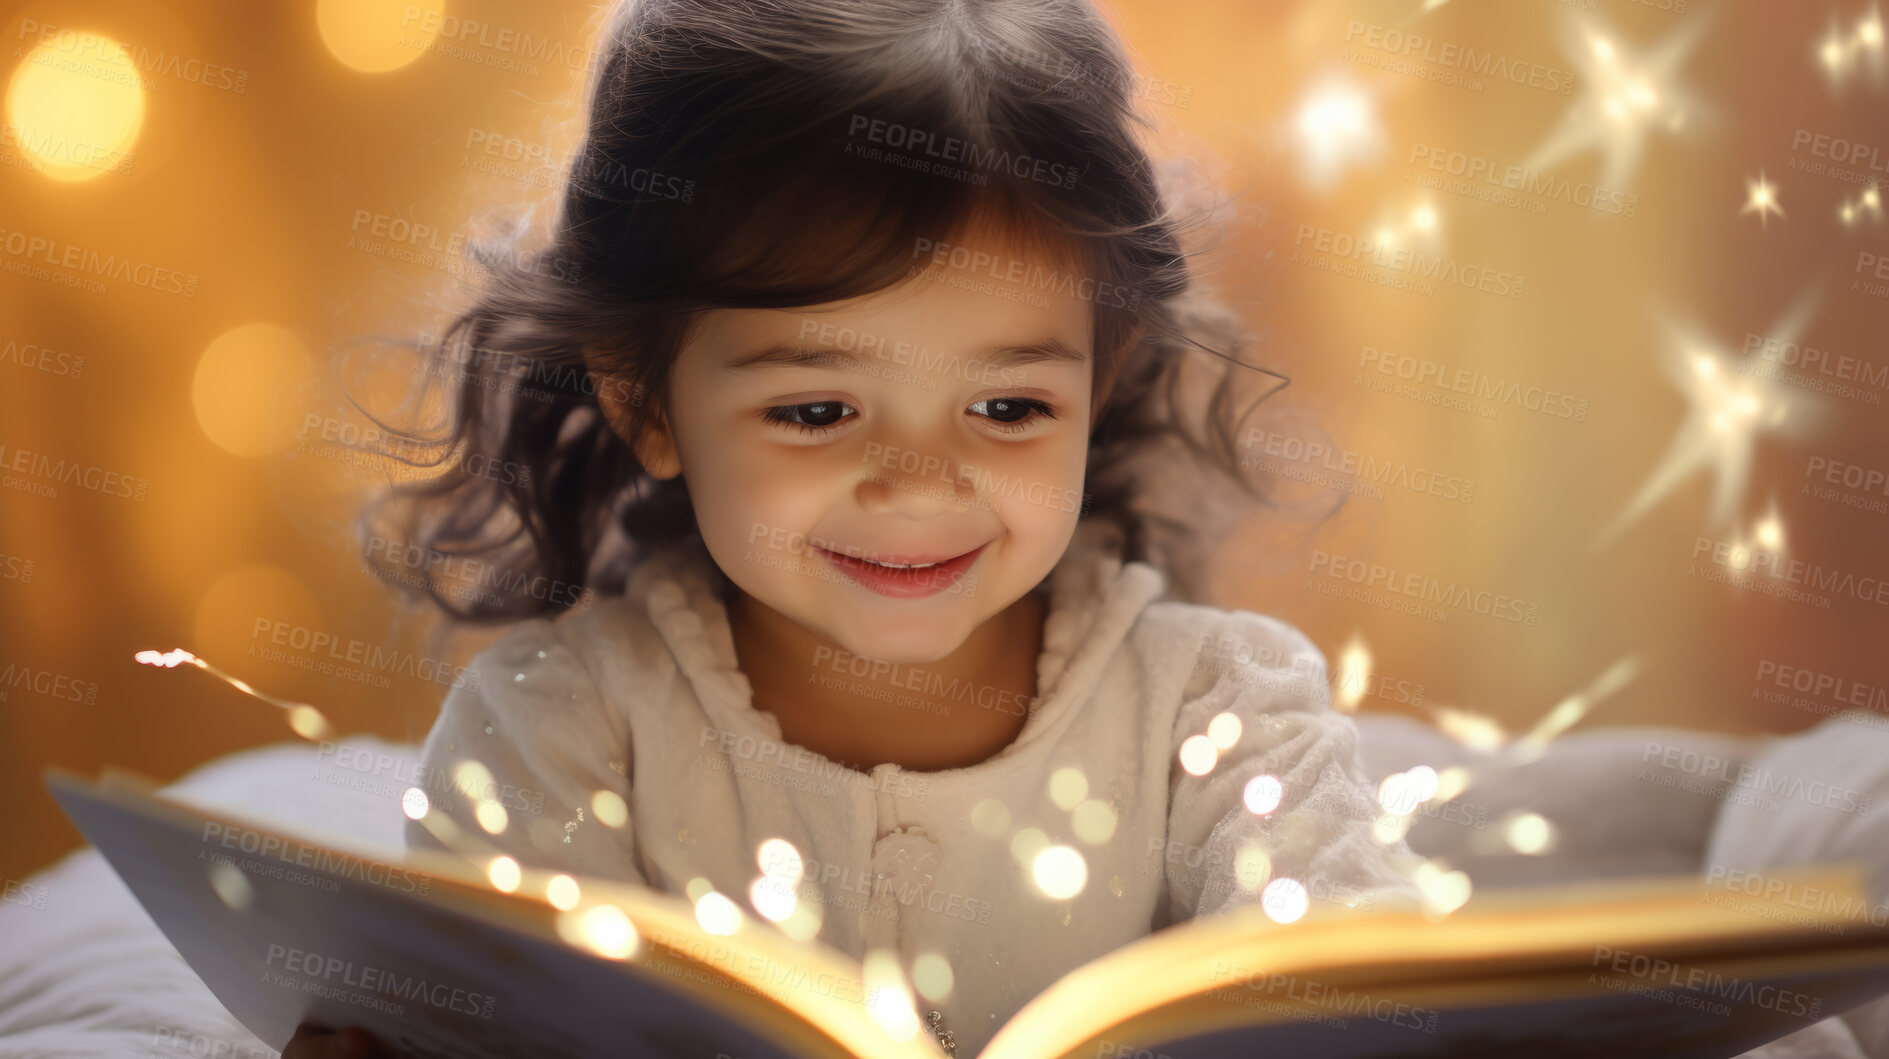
(642, 696)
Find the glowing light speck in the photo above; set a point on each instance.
(504, 873)
(1761, 198)
(414, 803)
(610, 809)
(1285, 900)
(232, 887)
(1198, 755)
(717, 914)
(1224, 730)
(606, 931)
(1354, 675)
(563, 893)
(1528, 833)
(1067, 787)
(779, 857)
(1336, 127)
(492, 816)
(772, 897)
(931, 975)
(1094, 822)
(1060, 871)
(1262, 794)
(75, 105)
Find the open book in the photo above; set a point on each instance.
(424, 951)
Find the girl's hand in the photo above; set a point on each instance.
(318, 1042)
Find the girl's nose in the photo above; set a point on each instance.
(916, 483)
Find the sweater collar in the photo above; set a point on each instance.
(1094, 600)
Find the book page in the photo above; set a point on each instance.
(284, 930)
(1626, 968)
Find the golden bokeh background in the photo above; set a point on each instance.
(1618, 319)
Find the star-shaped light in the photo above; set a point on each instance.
(1624, 98)
(1761, 196)
(1730, 402)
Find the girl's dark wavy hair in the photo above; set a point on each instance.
(741, 154)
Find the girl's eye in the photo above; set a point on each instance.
(814, 417)
(1008, 414)
(1012, 414)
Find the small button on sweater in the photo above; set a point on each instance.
(642, 696)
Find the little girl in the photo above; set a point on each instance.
(848, 396)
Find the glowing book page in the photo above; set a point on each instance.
(428, 957)
(1667, 967)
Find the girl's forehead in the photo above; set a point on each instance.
(982, 281)
(985, 303)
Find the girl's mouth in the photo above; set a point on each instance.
(904, 577)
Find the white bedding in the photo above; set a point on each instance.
(84, 972)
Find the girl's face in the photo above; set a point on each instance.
(946, 418)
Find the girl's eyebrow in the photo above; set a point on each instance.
(1047, 350)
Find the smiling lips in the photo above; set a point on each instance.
(904, 576)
